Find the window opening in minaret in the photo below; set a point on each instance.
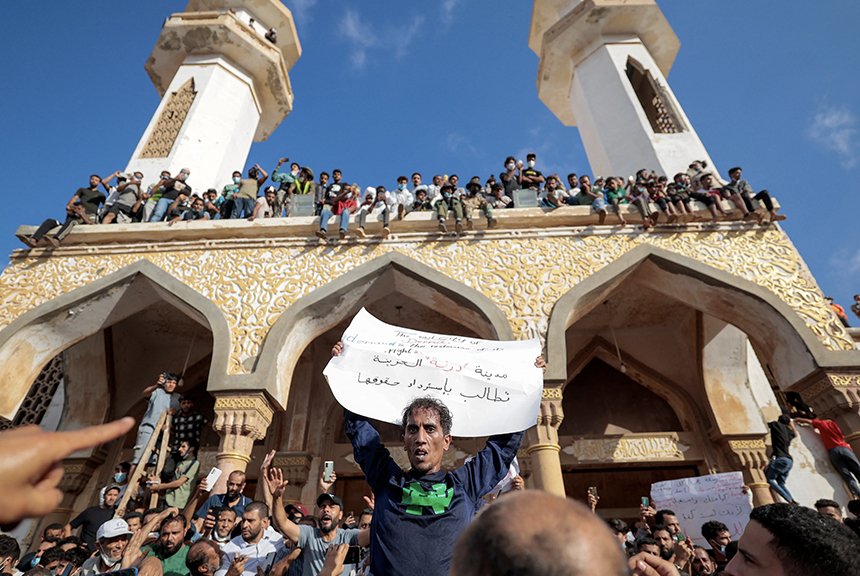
(654, 101)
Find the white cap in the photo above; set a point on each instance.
(112, 528)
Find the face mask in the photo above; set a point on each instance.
(107, 560)
(295, 172)
(401, 187)
(183, 176)
(236, 179)
(120, 477)
(510, 165)
(531, 163)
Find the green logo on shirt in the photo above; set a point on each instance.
(416, 497)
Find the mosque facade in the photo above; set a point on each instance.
(667, 350)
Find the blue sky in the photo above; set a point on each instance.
(387, 88)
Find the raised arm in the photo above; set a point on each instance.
(263, 175)
(274, 483)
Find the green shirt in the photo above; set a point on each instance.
(178, 497)
(248, 189)
(173, 565)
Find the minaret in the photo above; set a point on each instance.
(223, 85)
(603, 68)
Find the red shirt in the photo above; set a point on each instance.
(345, 205)
(830, 433)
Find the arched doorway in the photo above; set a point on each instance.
(114, 335)
(395, 289)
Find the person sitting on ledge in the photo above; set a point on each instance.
(421, 204)
(475, 200)
(742, 189)
(378, 205)
(710, 197)
(266, 205)
(445, 202)
(344, 204)
(83, 208)
(616, 195)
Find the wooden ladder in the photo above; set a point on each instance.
(165, 421)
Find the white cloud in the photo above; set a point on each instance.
(448, 11)
(403, 37)
(362, 37)
(359, 35)
(457, 143)
(834, 128)
(301, 10)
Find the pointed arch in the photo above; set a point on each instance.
(32, 339)
(327, 306)
(791, 348)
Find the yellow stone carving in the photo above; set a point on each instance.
(245, 403)
(845, 379)
(291, 461)
(516, 272)
(746, 444)
(166, 129)
(551, 394)
(625, 449)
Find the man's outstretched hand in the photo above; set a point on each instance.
(30, 468)
(541, 363)
(337, 349)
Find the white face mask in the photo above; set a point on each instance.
(107, 560)
(510, 166)
(531, 163)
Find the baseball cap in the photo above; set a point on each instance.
(112, 528)
(323, 497)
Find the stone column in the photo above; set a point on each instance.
(240, 420)
(749, 455)
(543, 447)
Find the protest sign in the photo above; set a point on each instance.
(491, 387)
(702, 499)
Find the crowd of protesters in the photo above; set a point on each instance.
(121, 198)
(472, 520)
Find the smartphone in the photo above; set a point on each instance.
(328, 469)
(593, 491)
(213, 477)
(645, 501)
(267, 564)
(352, 556)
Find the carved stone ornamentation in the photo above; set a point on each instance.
(167, 127)
(516, 271)
(832, 393)
(39, 397)
(240, 420)
(296, 466)
(748, 455)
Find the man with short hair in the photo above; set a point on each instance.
(342, 205)
(594, 196)
(175, 190)
(441, 503)
(134, 521)
(529, 177)
(74, 556)
(496, 198)
(187, 424)
(313, 541)
(786, 539)
(245, 199)
(510, 537)
(676, 553)
(152, 195)
(93, 517)
(421, 204)
(266, 205)
(669, 519)
(710, 197)
(178, 490)
(71, 542)
(82, 208)
(204, 558)
(9, 554)
(742, 189)
(703, 564)
(233, 498)
(475, 200)
(446, 202)
(320, 193)
(718, 536)
(649, 546)
(401, 198)
(782, 432)
(830, 508)
(160, 397)
(128, 202)
(120, 478)
(112, 540)
(510, 178)
(51, 558)
(255, 544)
(170, 549)
(841, 454)
(286, 189)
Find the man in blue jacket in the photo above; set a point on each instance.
(419, 514)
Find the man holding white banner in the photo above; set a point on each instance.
(492, 388)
